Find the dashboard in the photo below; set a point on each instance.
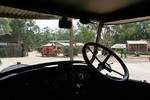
(58, 81)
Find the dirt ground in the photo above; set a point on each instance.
(139, 67)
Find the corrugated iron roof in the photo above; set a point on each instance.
(24, 14)
(136, 42)
(119, 46)
(7, 38)
(49, 44)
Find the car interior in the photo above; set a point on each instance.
(75, 79)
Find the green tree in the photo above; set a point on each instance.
(132, 31)
(86, 33)
(48, 34)
(63, 34)
(4, 26)
(148, 30)
(27, 30)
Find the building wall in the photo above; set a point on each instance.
(137, 47)
(11, 50)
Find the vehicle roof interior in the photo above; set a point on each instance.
(107, 11)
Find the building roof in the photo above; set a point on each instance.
(59, 41)
(7, 38)
(64, 44)
(136, 42)
(119, 46)
(49, 44)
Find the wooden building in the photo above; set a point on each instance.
(140, 46)
(11, 46)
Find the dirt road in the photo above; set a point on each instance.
(139, 67)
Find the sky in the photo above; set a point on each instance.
(53, 24)
(50, 23)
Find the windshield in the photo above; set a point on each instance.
(38, 41)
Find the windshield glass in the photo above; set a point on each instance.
(38, 41)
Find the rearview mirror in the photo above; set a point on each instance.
(64, 23)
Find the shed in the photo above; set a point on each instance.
(11, 46)
(140, 46)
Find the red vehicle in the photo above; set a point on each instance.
(49, 50)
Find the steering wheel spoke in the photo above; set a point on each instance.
(93, 54)
(106, 59)
(111, 70)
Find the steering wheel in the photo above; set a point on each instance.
(88, 52)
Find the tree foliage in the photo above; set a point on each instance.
(86, 33)
(4, 26)
(28, 31)
(132, 31)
